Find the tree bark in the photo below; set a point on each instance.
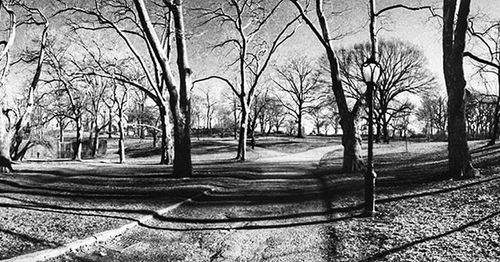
(77, 150)
(496, 116)
(121, 141)
(110, 124)
(459, 159)
(242, 143)
(166, 139)
(299, 125)
(95, 141)
(351, 140)
(385, 129)
(179, 96)
(5, 141)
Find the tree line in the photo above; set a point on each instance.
(143, 48)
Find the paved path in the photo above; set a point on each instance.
(263, 211)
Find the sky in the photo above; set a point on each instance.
(416, 27)
(413, 26)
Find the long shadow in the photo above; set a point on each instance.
(27, 238)
(385, 253)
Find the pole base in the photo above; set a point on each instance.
(368, 213)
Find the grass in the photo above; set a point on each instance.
(285, 206)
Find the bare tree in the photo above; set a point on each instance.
(433, 113)
(9, 127)
(404, 72)
(121, 96)
(479, 112)
(489, 62)
(210, 103)
(322, 116)
(300, 81)
(98, 90)
(134, 20)
(276, 115)
(246, 20)
(454, 32)
(66, 78)
(257, 111)
(351, 139)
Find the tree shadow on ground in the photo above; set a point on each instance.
(225, 183)
(387, 252)
(251, 188)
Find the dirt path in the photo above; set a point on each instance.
(310, 156)
(279, 208)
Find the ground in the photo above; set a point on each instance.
(290, 202)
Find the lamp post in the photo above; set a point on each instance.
(371, 73)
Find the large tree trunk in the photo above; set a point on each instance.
(179, 96)
(351, 140)
(77, 150)
(454, 30)
(460, 164)
(182, 144)
(166, 139)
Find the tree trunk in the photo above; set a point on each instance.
(155, 138)
(494, 125)
(77, 150)
(5, 142)
(454, 31)
(61, 133)
(299, 125)
(121, 141)
(460, 164)
(110, 124)
(95, 141)
(351, 140)
(166, 139)
(379, 131)
(182, 144)
(385, 129)
(242, 144)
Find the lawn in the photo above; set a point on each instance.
(288, 203)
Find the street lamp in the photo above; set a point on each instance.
(371, 73)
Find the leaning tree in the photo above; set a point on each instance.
(351, 139)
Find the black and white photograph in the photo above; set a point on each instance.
(249, 130)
